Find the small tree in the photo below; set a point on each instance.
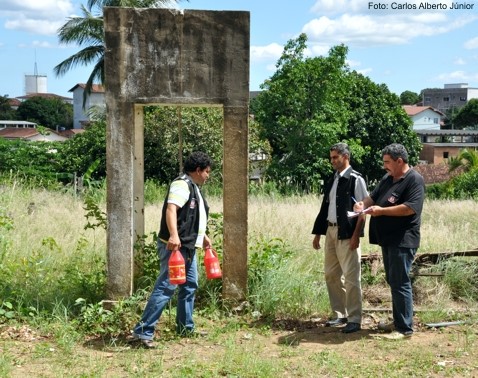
(48, 112)
(6, 111)
(409, 98)
(467, 116)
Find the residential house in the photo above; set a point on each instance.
(424, 117)
(96, 98)
(30, 134)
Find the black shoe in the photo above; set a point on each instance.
(336, 322)
(351, 327)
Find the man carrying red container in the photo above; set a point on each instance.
(183, 228)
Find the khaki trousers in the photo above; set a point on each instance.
(342, 276)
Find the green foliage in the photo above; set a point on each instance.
(463, 186)
(35, 160)
(466, 159)
(409, 98)
(311, 103)
(48, 112)
(302, 112)
(6, 111)
(467, 116)
(147, 260)
(265, 256)
(85, 150)
(94, 212)
(461, 277)
(376, 120)
(6, 311)
(95, 319)
(172, 133)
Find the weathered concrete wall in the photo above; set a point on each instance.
(161, 56)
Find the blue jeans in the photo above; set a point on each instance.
(164, 290)
(397, 263)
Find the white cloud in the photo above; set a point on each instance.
(459, 62)
(471, 44)
(353, 23)
(457, 76)
(38, 17)
(272, 51)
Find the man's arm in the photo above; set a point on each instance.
(174, 242)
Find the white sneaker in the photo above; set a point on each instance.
(386, 327)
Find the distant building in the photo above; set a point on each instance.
(424, 117)
(17, 124)
(441, 145)
(66, 100)
(35, 84)
(96, 98)
(451, 96)
(30, 134)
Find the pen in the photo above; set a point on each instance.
(353, 199)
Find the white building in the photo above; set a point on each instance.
(96, 98)
(424, 117)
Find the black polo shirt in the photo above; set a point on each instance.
(398, 231)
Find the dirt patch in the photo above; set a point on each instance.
(294, 348)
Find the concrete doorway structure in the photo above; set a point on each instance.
(167, 57)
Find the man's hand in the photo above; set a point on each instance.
(206, 242)
(173, 243)
(316, 242)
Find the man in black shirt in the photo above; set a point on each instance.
(396, 206)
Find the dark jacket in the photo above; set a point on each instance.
(188, 216)
(344, 202)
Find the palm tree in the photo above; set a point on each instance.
(88, 32)
(467, 159)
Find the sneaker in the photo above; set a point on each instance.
(395, 335)
(336, 322)
(142, 343)
(386, 327)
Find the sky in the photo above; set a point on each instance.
(397, 43)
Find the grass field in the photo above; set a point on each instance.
(47, 258)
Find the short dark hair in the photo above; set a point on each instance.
(341, 148)
(396, 150)
(197, 159)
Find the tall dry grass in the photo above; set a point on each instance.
(39, 214)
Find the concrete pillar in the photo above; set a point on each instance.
(162, 56)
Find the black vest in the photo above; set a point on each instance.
(344, 203)
(188, 216)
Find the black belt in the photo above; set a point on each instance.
(331, 224)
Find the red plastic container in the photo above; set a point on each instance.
(211, 263)
(177, 269)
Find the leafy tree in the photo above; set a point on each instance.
(6, 111)
(88, 33)
(467, 116)
(172, 132)
(409, 98)
(377, 119)
(80, 152)
(302, 112)
(48, 112)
